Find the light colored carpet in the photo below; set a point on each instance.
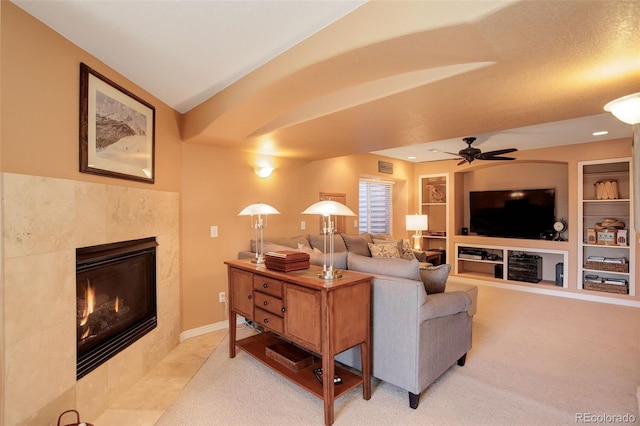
(535, 360)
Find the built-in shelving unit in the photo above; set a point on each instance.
(434, 196)
(606, 253)
(512, 264)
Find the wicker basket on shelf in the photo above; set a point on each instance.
(607, 266)
(606, 287)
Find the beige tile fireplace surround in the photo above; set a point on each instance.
(45, 220)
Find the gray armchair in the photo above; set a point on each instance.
(415, 337)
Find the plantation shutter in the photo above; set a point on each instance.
(374, 206)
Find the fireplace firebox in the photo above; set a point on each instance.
(115, 299)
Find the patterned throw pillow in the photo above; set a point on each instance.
(384, 250)
(404, 247)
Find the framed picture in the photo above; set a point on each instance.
(385, 167)
(117, 130)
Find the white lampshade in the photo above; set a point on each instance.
(417, 222)
(626, 108)
(329, 208)
(259, 208)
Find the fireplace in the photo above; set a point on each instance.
(115, 299)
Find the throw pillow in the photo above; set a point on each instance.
(434, 278)
(358, 244)
(394, 267)
(406, 252)
(404, 247)
(306, 249)
(389, 249)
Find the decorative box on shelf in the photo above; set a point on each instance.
(286, 260)
(607, 237)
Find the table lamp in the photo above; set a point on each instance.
(327, 209)
(259, 224)
(417, 223)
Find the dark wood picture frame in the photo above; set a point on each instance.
(117, 130)
(385, 167)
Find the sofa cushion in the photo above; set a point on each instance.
(339, 259)
(317, 241)
(394, 267)
(388, 249)
(358, 244)
(434, 278)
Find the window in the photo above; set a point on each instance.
(375, 206)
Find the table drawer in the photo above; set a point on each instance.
(267, 285)
(269, 320)
(268, 303)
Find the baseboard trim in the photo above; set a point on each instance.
(550, 292)
(199, 331)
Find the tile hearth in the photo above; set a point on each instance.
(146, 401)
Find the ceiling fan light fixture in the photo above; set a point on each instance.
(626, 108)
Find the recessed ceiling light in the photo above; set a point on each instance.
(435, 150)
(603, 132)
(411, 157)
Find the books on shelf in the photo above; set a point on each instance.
(618, 260)
(615, 281)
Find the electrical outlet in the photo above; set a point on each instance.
(222, 297)
(303, 225)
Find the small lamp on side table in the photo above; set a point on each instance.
(417, 223)
(327, 209)
(260, 223)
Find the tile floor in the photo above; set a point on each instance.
(145, 402)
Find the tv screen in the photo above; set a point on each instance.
(527, 214)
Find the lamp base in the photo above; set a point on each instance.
(258, 260)
(330, 275)
(416, 241)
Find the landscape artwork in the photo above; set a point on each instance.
(116, 130)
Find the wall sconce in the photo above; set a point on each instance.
(327, 209)
(417, 223)
(263, 172)
(627, 110)
(260, 223)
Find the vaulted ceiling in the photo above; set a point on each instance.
(407, 74)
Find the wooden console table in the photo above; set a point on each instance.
(325, 317)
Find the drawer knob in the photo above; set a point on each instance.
(265, 285)
(266, 320)
(250, 296)
(265, 303)
(283, 310)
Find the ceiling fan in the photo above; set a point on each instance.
(468, 154)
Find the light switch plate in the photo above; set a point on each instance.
(214, 231)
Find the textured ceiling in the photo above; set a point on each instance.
(390, 74)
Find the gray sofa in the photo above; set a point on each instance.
(415, 336)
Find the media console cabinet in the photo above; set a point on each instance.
(325, 317)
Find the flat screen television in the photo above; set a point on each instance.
(527, 213)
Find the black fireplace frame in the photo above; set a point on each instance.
(100, 255)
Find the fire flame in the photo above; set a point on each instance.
(90, 300)
(116, 304)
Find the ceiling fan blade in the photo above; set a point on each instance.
(497, 158)
(464, 161)
(451, 153)
(499, 152)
